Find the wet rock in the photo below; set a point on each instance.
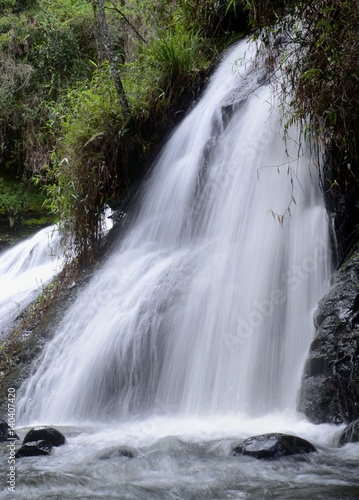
(330, 385)
(273, 445)
(6, 432)
(34, 449)
(55, 437)
(350, 434)
(126, 452)
(343, 209)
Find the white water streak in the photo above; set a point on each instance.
(24, 270)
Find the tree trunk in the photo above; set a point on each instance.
(112, 59)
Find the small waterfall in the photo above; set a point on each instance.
(206, 305)
(24, 270)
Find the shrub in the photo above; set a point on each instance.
(82, 176)
(175, 55)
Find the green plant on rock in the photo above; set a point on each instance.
(175, 55)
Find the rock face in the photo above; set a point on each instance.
(330, 385)
(55, 437)
(273, 446)
(350, 434)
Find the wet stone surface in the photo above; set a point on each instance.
(330, 386)
(273, 445)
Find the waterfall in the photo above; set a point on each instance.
(206, 305)
(24, 270)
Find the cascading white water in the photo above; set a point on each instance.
(206, 306)
(24, 270)
(192, 336)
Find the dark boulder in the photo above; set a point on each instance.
(330, 385)
(55, 437)
(273, 445)
(6, 432)
(34, 449)
(350, 434)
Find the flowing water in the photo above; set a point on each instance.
(193, 335)
(24, 271)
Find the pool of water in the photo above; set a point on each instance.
(187, 458)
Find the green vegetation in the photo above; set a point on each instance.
(68, 68)
(85, 92)
(20, 203)
(39, 54)
(317, 46)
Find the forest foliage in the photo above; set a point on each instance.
(62, 123)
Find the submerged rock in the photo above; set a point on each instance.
(330, 385)
(273, 445)
(34, 449)
(6, 432)
(125, 452)
(350, 434)
(55, 437)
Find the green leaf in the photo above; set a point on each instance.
(95, 136)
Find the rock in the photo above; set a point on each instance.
(34, 449)
(350, 434)
(119, 452)
(273, 446)
(6, 432)
(343, 210)
(330, 385)
(55, 437)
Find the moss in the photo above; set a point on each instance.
(39, 221)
